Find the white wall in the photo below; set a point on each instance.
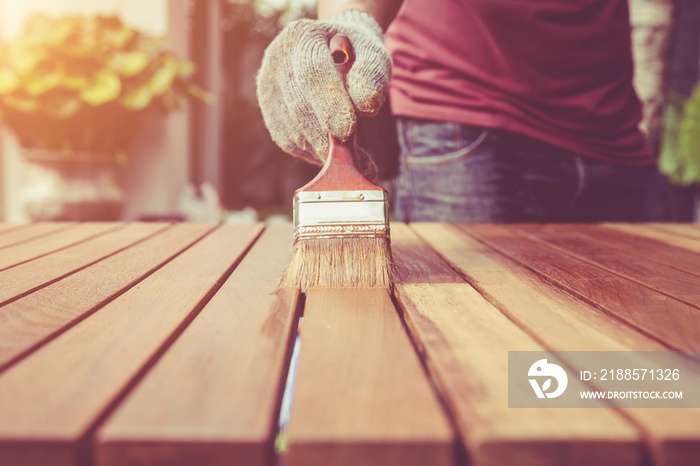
(159, 162)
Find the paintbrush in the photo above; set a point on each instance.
(341, 219)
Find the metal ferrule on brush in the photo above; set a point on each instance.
(341, 214)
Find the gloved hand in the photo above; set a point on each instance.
(301, 94)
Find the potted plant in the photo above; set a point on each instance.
(680, 153)
(75, 90)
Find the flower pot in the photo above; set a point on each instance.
(71, 186)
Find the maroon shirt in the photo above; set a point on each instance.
(557, 70)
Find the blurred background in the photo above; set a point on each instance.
(146, 109)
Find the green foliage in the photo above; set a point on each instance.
(83, 83)
(680, 151)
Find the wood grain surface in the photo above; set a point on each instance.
(45, 244)
(415, 262)
(52, 400)
(213, 398)
(361, 395)
(169, 344)
(31, 275)
(669, 281)
(691, 230)
(465, 341)
(7, 227)
(665, 236)
(562, 323)
(670, 320)
(16, 234)
(634, 245)
(34, 319)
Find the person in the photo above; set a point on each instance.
(507, 111)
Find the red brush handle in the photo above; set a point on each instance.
(340, 173)
(342, 53)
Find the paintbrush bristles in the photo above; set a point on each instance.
(340, 263)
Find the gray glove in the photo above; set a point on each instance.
(302, 96)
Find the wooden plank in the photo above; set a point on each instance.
(8, 227)
(465, 341)
(655, 251)
(645, 231)
(559, 322)
(30, 276)
(30, 232)
(528, 299)
(52, 401)
(666, 280)
(670, 320)
(691, 230)
(213, 398)
(36, 318)
(361, 396)
(415, 261)
(46, 244)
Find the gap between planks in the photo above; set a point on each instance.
(650, 249)
(665, 236)
(561, 323)
(361, 394)
(24, 252)
(465, 341)
(28, 232)
(30, 276)
(84, 372)
(8, 227)
(214, 397)
(661, 278)
(35, 319)
(668, 320)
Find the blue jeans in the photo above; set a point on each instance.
(461, 173)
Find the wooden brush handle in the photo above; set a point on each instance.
(339, 173)
(342, 53)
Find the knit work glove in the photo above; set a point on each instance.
(302, 96)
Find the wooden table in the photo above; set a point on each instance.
(135, 343)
